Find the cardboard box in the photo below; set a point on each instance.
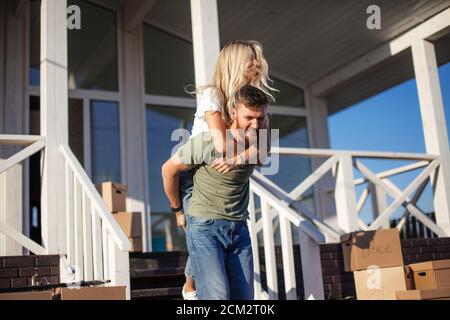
(409, 278)
(380, 248)
(382, 283)
(93, 293)
(114, 194)
(431, 274)
(130, 222)
(430, 294)
(32, 295)
(136, 244)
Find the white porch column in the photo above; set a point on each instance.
(345, 195)
(319, 138)
(54, 120)
(205, 38)
(133, 115)
(14, 68)
(2, 121)
(379, 203)
(434, 126)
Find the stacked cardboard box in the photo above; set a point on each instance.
(376, 259)
(430, 294)
(131, 224)
(115, 194)
(431, 281)
(431, 274)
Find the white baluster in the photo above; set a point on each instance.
(269, 251)
(70, 216)
(311, 267)
(119, 266)
(78, 208)
(87, 239)
(105, 251)
(288, 259)
(97, 246)
(255, 248)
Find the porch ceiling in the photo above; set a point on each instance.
(305, 40)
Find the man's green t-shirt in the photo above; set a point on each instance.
(215, 195)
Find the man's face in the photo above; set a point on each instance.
(248, 120)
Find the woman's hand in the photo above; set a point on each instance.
(181, 220)
(221, 165)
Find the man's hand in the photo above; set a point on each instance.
(181, 220)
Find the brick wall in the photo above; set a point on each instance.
(339, 284)
(17, 271)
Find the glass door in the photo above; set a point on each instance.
(161, 122)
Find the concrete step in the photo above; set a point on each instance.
(157, 293)
(158, 260)
(158, 275)
(165, 272)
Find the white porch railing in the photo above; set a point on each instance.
(309, 235)
(97, 248)
(311, 229)
(96, 245)
(33, 145)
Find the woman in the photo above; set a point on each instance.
(239, 63)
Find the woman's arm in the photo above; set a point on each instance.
(217, 127)
(218, 130)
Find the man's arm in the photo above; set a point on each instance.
(171, 170)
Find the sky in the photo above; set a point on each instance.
(389, 121)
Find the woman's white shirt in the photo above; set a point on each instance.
(207, 102)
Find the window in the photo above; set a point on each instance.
(35, 41)
(76, 128)
(92, 51)
(288, 94)
(169, 63)
(105, 137)
(161, 121)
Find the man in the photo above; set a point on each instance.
(217, 235)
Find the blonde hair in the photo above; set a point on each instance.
(229, 75)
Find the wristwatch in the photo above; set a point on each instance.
(175, 210)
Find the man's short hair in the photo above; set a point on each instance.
(251, 97)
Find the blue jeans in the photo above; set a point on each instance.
(186, 189)
(221, 257)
